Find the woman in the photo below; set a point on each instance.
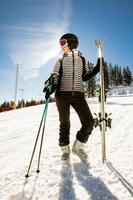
(69, 73)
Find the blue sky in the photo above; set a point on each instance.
(30, 31)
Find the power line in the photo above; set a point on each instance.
(16, 84)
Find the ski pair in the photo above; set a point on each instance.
(42, 125)
(103, 119)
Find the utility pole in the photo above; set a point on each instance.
(22, 96)
(16, 85)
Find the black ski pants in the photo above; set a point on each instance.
(80, 105)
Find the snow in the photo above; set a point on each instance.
(95, 181)
(122, 90)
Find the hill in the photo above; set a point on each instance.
(97, 181)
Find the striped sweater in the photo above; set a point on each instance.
(72, 67)
(72, 73)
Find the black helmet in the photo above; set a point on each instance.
(72, 40)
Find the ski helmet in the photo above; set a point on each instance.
(71, 40)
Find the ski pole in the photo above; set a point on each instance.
(27, 175)
(38, 170)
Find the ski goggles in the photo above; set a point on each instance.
(63, 43)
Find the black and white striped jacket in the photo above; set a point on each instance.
(72, 73)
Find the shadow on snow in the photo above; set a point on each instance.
(66, 191)
(95, 188)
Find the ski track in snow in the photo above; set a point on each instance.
(95, 181)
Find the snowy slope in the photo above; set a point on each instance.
(97, 181)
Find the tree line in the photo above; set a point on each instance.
(6, 106)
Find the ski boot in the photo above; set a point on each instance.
(65, 152)
(78, 149)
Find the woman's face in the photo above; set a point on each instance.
(65, 49)
(64, 45)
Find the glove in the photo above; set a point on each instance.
(50, 90)
(49, 87)
(98, 63)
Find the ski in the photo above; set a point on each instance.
(103, 120)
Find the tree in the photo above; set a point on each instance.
(119, 76)
(111, 71)
(127, 76)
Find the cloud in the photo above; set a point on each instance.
(34, 44)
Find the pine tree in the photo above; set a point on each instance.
(111, 82)
(127, 76)
(120, 76)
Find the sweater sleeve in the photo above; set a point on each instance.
(90, 74)
(56, 71)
